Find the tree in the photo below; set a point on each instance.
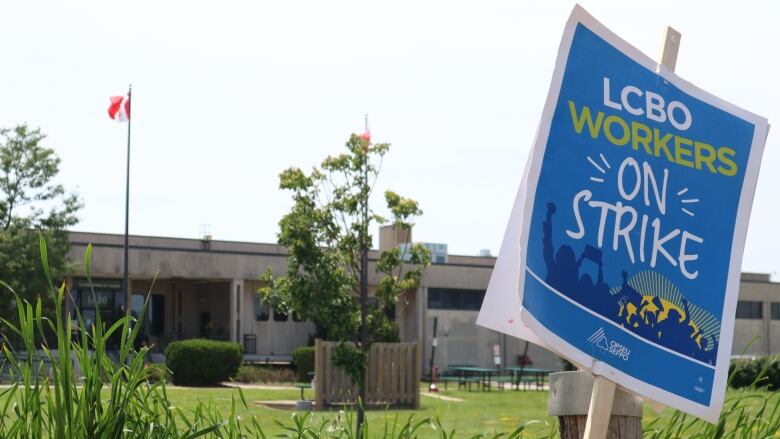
(326, 235)
(31, 203)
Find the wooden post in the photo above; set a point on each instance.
(600, 410)
(319, 375)
(570, 396)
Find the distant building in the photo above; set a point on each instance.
(207, 288)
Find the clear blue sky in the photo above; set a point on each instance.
(227, 94)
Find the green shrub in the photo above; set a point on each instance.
(157, 372)
(256, 374)
(758, 371)
(303, 359)
(247, 375)
(201, 362)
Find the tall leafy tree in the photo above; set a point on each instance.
(31, 203)
(326, 233)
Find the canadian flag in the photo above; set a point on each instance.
(119, 110)
(366, 136)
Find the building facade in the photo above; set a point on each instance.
(206, 288)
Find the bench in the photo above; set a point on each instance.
(502, 380)
(527, 380)
(463, 381)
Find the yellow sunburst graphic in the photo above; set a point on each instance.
(651, 285)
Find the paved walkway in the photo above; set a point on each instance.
(439, 396)
(260, 386)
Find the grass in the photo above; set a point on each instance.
(478, 413)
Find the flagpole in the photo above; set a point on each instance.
(125, 282)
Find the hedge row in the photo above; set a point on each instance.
(201, 362)
(763, 371)
(303, 359)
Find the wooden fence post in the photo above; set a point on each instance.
(417, 365)
(570, 400)
(319, 375)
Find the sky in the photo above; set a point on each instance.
(228, 94)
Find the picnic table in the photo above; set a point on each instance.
(302, 386)
(468, 374)
(519, 374)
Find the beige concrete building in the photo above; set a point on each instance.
(206, 288)
(757, 327)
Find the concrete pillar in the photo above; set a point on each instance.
(236, 296)
(766, 315)
(390, 236)
(422, 305)
(570, 398)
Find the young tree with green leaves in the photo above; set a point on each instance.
(326, 234)
(31, 203)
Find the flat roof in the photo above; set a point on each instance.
(271, 249)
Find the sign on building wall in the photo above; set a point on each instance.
(625, 243)
(97, 299)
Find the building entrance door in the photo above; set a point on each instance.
(205, 324)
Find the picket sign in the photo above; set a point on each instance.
(603, 393)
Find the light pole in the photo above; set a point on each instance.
(125, 281)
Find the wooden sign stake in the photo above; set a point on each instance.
(600, 408)
(603, 393)
(670, 48)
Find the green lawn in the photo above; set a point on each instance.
(476, 413)
(479, 412)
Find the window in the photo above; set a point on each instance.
(262, 310)
(136, 304)
(157, 314)
(279, 316)
(454, 299)
(749, 310)
(774, 311)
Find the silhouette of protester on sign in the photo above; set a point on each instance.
(563, 272)
(596, 296)
(563, 269)
(630, 301)
(676, 332)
